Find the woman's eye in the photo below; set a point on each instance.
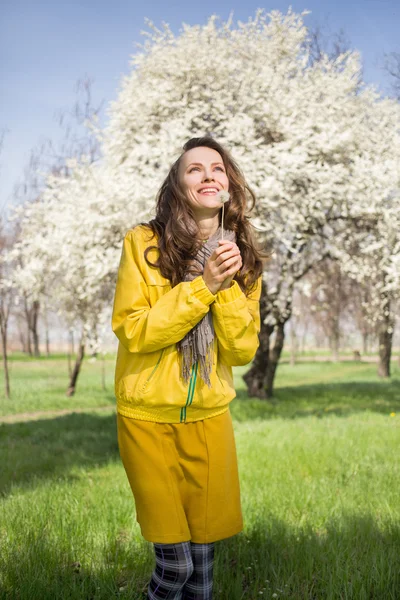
(193, 168)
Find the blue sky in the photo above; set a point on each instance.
(47, 46)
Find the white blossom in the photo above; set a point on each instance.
(320, 150)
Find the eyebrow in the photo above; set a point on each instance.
(201, 164)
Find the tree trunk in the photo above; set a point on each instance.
(69, 358)
(5, 360)
(47, 343)
(365, 341)
(103, 372)
(34, 327)
(336, 314)
(28, 340)
(275, 355)
(293, 345)
(385, 352)
(28, 327)
(47, 333)
(77, 368)
(260, 377)
(70, 351)
(385, 337)
(255, 378)
(334, 342)
(22, 341)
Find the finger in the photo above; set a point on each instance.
(227, 255)
(227, 248)
(224, 248)
(230, 262)
(224, 243)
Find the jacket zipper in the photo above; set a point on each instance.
(154, 370)
(220, 380)
(192, 385)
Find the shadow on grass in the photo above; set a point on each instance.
(49, 448)
(350, 559)
(47, 569)
(345, 560)
(320, 400)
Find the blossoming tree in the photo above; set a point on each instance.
(318, 147)
(312, 140)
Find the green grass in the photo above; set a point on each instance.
(317, 352)
(319, 473)
(42, 384)
(322, 389)
(306, 388)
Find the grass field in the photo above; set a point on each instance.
(319, 474)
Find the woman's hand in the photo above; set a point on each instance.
(222, 266)
(237, 265)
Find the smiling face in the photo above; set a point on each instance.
(202, 175)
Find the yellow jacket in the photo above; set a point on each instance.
(150, 317)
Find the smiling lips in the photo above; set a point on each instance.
(208, 191)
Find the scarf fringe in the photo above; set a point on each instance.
(198, 343)
(205, 361)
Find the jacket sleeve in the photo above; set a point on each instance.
(236, 321)
(144, 328)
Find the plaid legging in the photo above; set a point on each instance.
(183, 572)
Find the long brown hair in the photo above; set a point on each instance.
(177, 230)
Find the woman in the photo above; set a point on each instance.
(186, 310)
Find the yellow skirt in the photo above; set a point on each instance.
(184, 478)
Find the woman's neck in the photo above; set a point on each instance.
(207, 229)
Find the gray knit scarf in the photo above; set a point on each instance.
(198, 342)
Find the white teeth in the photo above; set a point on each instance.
(208, 190)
